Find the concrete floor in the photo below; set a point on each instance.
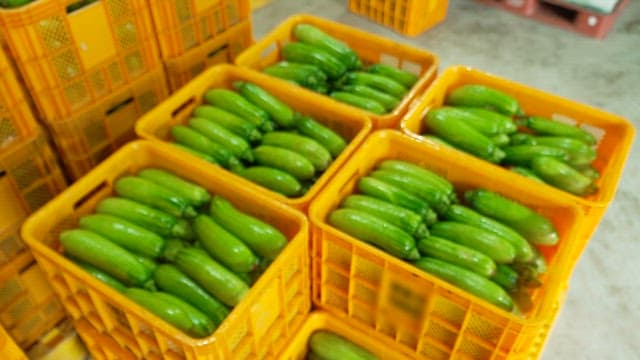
(600, 317)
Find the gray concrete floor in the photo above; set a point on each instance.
(600, 317)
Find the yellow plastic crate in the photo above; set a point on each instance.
(182, 25)
(258, 327)
(615, 134)
(408, 17)
(221, 49)
(353, 126)
(29, 177)
(362, 336)
(370, 48)
(425, 316)
(8, 348)
(16, 119)
(71, 60)
(90, 136)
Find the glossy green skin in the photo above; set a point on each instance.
(378, 82)
(475, 95)
(96, 250)
(212, 276)
(142, 215)
(303, 145)
(417, 171)
(302, 74)
(359, 102)
(236, 104)
(327, 345)
(191, 138)
(263, 239)
(550, 127)
(224, 246)
(170, 279)
(322, 134)
(149, 193)
(312, 35)
(273, 179)
(457, 254)
(403, 218)
(467, 280)
(218, 134)
(279, 112)
(401, 76)
(563, 176)
(237, 125)
(103, 276)
(495, 247)
(194, 193)
(376, 231)
(531, 225)
(523, 155)
(387, 101)
(308, 54)
(579, 153)
(285, 160)
(437, 199)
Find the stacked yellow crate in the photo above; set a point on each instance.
(91, 70)
(196, 34)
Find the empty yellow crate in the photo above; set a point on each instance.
(425, 316)
(258, 327)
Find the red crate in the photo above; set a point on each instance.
(564, 15)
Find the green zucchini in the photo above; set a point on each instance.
(172, 247)
(224, 246)
(149, 193)
(303, 145)
(522, 155)
(238, 105)
(218, 134)
(194, 193)
(506, 277)
(378, 82)
(306, 75)
(531, 225)
(173, 281)
(285, 160)
(563, 176)
(467, 280)
(457, 254)
(544, 126)
(237, 125)
(376, 231)
(476, 95)
(279, 112)
(488, 243)
(322, 134)
(312, 35)
(389, 102)
(308, 54)
(105, 255)
(197, 153)
(193, 139)
(437, 199)
(503, 124)
(328, 345)
(102, 276)
(142, 215)
(262, 238)
(202, 325)
(127, 235)
(273, 179)
(401, 76)
(525, 171)
(423, 174)
(213, 277)
(405, 219)
(579, 153)
(465, 215)
(359, 102)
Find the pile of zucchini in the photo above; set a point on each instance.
(257, 136)
(173, 248)
(490, 124)
(327, 345)
(324, 64)
(485, 244)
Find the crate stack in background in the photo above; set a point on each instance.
(407, 17)
(196, 34)
(91, 68)
(30, 176)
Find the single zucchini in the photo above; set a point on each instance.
(504, 124)
(195, 194)
(303, 145)
(237, 125)
(149, 193)
(457, 254)
(224, 246)
(308, 54)
(525, 171)
(376, 231)
(273, 179)
(579, 153)
(173, 281)
(531, 225)
(437, 199)
(238, 105)
(312, 35)
(382, 83)
(102, 276)
(418, 171)
(506, 277)
(331, 346)
(218, 134)
(285, 160)
(490, 244)
(401, 76)
(193, 139)
(405, 219)
(142, 215)
(322, 134)
(306, 75)
(105, 255)
(476, 95)
(522, 155)
(202, 325)
(563, 176)
(359, 102)
(213, 277)
(550, 127)
(467, 280)
(262, 238)
(387, 101)
(279, 112)
(197, 153)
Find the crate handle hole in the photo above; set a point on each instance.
(184, 106)
(83, 200)
(217, 51)
(3, 173)
(119, 106)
